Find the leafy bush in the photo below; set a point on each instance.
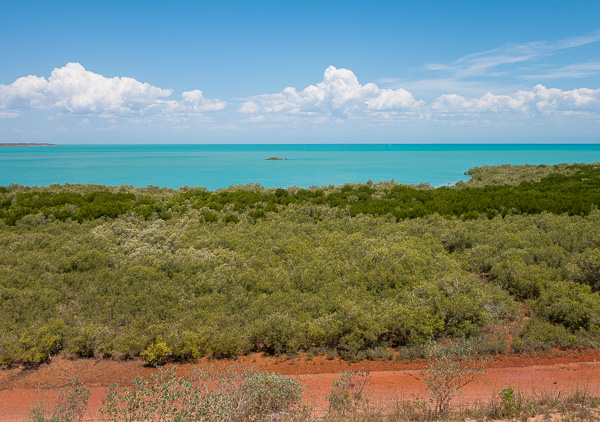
(542, 335)
(188, 345)
(86, 339)
(586, 269)
(268, 394)
(347, 393)
(570, 304)
(156, 353)
(280, 333)
(451, 367)
(40, 343)
(68, 406)
(514, 404)
(228, 344)
(231, 394)
(231, 218)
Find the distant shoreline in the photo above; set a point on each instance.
(25, 144)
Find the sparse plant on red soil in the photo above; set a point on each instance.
(451, 367)
(69, 405)
(347, 393)
(231, 394)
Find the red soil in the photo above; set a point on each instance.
(390, 381)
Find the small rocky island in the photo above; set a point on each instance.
(275, 158)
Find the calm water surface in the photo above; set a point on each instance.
(218, 166)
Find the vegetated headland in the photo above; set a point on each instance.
(509, 259)
(24, 144)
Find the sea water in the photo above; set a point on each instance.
(219, 166)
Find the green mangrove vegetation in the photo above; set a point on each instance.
(179, 274)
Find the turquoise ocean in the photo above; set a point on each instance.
(218, 166)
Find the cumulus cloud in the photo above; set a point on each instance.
(337, 98)
(73, 89)
(538, 101)
(339, 95)
(192, 102)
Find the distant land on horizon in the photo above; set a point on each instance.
(26, 144)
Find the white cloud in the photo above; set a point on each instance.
(193, 100)
(501, 70)
(249, 107)
(193, 103)
(77, 90)
(538, 101)
(577, 70)
(8, 114)
(392, 99)
(339, 96)
(73, 89)
(485, 63)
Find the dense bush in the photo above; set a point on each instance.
(171, 275)
(572, 189)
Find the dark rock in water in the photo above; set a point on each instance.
(276, 158)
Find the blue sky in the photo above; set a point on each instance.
(267, 71)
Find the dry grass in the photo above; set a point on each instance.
(555, 406)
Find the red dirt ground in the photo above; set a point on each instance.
(390, 381)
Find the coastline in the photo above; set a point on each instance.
(219, 166)
(26, 144)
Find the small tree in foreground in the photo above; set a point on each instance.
(69, 406)
(347, 392)
(451, 367)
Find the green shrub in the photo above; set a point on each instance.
(280, 333)
(347, 393)
(542, 335)
(514, 405)
(156, 353)
(228, 344)
(85, 339)
(349, 268)
(68, 406)
(267, 394)
(189, 345)
(522, 280)
(10, 348)
(231, 218)
(230, 394)
(450, 367)
(570, 304)
(586, 268)
(210, 217)
(40, 343)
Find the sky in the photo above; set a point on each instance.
(300, 71)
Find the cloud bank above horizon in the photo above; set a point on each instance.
(509, 89)
(341, 96)
(75, 90)
(337, 98)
